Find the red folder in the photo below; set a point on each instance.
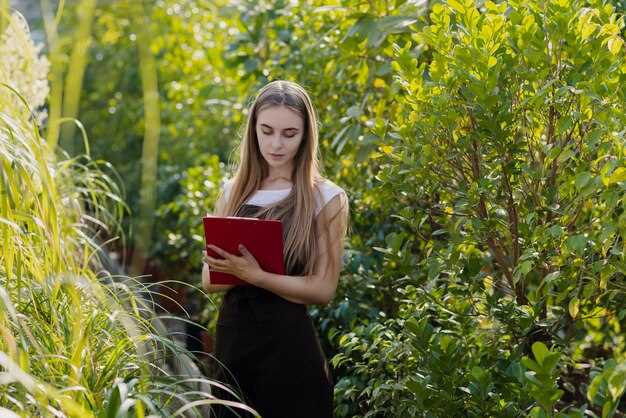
(262, 237)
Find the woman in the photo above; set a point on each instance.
(265, 337)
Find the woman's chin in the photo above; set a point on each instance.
(276, 163)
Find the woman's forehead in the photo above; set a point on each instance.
(280, 117)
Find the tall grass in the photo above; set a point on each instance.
(70, 346)
(74, 340)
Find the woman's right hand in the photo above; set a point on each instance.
(205, 260)
(206, 278)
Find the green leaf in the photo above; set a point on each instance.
(607, 409)
(338, 359)
(617, 382)
(532, 377)
(556, 396)
(540, 351)
(531, 364)
(118, 395)
(416, 387)
(362, 26)
(537, 412)
(525, 266)
(354, 111)
(383, 250)
(616, 176)
(589, 29)
(574, 303)
(515, 370)
(594, 386)
(456, 6)
(582, 179)
(556, 231)
(339, 136)
(413, 325)
(576, 243)
(478, 373)
(565, 155)
(395, 24)
(550, 362)
(615, 44)
(551, 277)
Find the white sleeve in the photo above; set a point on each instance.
(328, 190)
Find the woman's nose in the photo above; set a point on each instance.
(277, 142)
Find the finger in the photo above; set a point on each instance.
(245, 252)
(221, 252)
(205, 257)
(214, 262)
(219, 269)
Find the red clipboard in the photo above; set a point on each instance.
(262, 237)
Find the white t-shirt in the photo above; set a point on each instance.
(264, 198)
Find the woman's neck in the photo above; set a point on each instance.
(276, 182)
(273, 179)
(276, 177)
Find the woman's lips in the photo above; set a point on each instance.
(277, 155)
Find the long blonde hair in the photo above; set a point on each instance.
(297, 210)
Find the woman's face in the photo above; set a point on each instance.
(279, 131)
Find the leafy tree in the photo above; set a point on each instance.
(511, 133)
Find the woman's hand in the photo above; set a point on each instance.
(245, 266)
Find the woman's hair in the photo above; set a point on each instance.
(297, 210)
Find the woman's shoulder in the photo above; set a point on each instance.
(327, 190)
(327, 187)
(227, 185)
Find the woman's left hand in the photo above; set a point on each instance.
(245, 266)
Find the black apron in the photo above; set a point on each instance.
(269, 353)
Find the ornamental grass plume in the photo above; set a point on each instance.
(24, 68)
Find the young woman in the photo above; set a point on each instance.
(265, 337)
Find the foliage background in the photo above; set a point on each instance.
(481, 145)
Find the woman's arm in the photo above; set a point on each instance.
(320, 287)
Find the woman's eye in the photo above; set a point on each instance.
(290, 135)
(267, 133)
